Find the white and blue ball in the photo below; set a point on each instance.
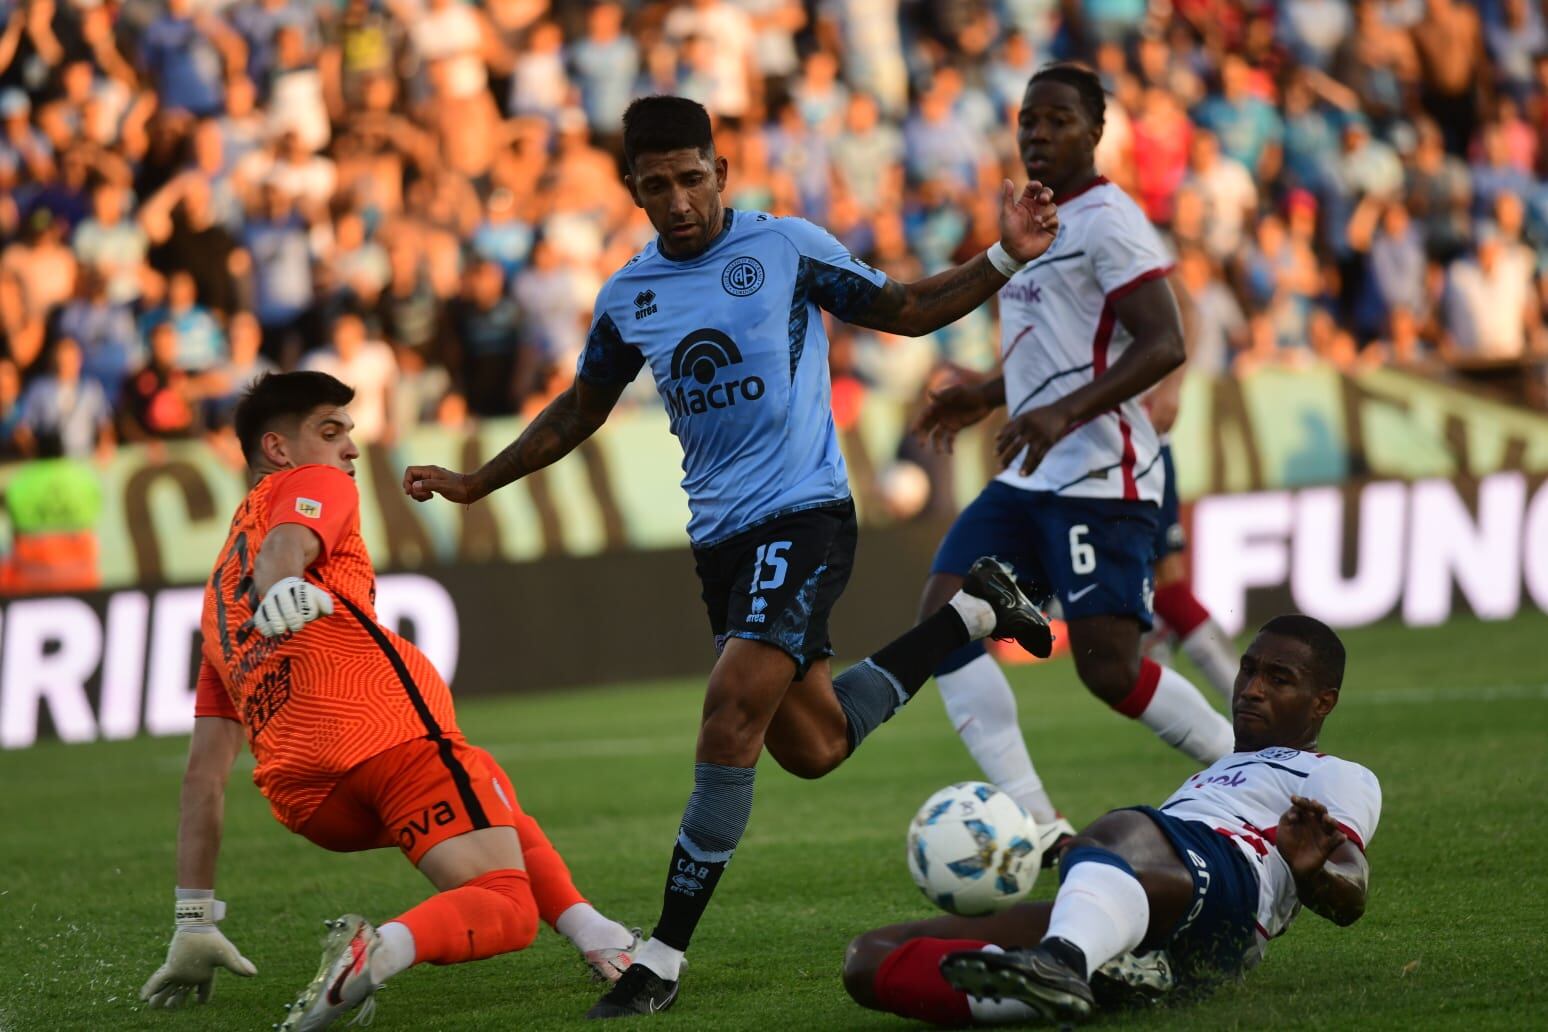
(973, 850)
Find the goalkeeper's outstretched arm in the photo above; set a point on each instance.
(202, 806)
(198, 947)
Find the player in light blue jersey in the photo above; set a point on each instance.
(726, 309)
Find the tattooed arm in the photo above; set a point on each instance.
(1028, 225)
(924, 306)
(555, 432)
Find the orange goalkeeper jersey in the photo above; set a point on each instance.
(317, 702)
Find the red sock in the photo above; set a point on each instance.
(909, 982)
(1144, 690)
(552, 886)
(1180, 608)
(489, 915)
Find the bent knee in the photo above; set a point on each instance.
(862, 959)
(1108, 675)
(812, 759)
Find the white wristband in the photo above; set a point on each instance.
(1002, 261)
(194, 907)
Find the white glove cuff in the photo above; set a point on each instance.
(1002, 261)
(197, 907)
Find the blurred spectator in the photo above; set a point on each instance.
(105, 331)
(1162, 138)
(222, 385)
(1516, 35)
(1395, 263)
(497, 365)
(1249, 129)
(726, 35)
(367, 366)
(866, 32)
(188, 53)
(114, 245)
(606, 62)
(1491, 310)
(63, 413)
(1227, 190)
(185, 236)
(557, 303)
(277, 241)
(201, 343)
(158, 400)
(1448, 41)
(37, 274)
(867, 156)
(1219, 327)
(1440, 190)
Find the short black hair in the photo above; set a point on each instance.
(1083, 80)
(1326, 647)
(278, 396)
(653, 125)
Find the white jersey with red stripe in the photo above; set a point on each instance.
(1058, 332)
(1243, 796)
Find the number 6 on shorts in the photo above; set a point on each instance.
(1082, 554)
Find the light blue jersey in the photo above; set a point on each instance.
(735, 340)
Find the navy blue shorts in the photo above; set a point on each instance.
(1094, 554)
(1170, 536)
(1215, 938)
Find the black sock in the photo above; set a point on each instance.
(1067, 953)
(913, 657)
(713, 823)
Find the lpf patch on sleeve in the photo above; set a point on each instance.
(311, 508)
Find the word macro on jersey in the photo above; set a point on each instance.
(699, 357)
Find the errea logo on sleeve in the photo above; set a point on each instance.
(309, 507)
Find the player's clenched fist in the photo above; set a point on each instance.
(289, 606)
(423, 483)
(197, 949)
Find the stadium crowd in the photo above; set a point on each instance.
(422, 196)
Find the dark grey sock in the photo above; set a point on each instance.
(713, 823)
(868, 695)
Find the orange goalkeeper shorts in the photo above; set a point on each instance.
(414, 796)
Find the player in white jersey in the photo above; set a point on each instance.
(1086, 330)
(1200, 884)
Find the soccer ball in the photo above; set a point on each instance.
(973, 850)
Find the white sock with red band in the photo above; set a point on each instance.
(1168, 703)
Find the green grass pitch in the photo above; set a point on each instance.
(1454, 721)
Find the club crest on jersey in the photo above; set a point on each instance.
(742, 277)
(700, 356)
(1279, 753)
(311, 508)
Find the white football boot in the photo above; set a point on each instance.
(343, 980)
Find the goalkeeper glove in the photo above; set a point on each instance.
(197, 950)
(290, 605)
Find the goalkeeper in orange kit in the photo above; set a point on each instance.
(354, 733)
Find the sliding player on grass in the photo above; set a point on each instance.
(1208, 878)
(1086, 330)
(354, 734)
(726, 309)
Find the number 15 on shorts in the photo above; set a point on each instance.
(771, 555)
